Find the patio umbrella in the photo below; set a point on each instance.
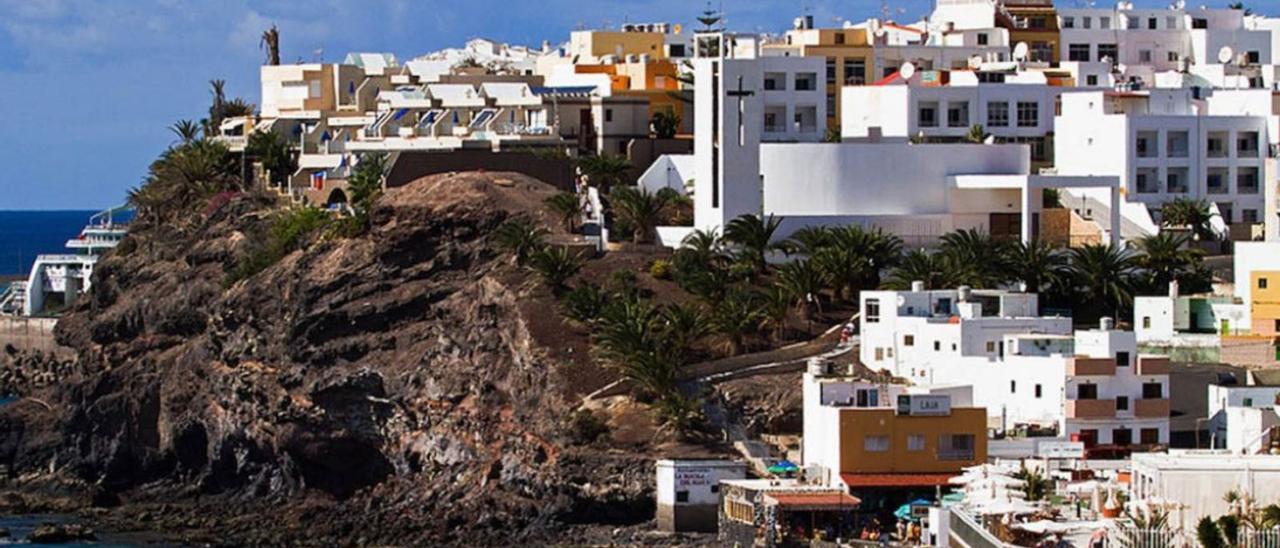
(783, 467)
(904, 511)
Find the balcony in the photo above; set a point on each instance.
(1091, 409)
(1152, 365)
(1151, 409)
(1081, 366)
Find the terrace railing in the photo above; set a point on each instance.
(970, 533)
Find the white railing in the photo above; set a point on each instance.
(1269, 538)
(13, 298)
(1132, 537)
(970, 533)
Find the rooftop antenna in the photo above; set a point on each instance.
(711, 20)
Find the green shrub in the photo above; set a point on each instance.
(584, 303)
(660, 269)
(587, 427)
(288, 231)
(1207, 533)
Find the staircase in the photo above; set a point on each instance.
(13, 300)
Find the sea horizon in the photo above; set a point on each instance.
(24, 234)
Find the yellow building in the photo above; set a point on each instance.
(591, 46)
(1264, 302)
(849, 54)
(882, 441)
(1034, 22)
(657, 82)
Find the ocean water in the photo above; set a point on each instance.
(21, 526)
(25, 234)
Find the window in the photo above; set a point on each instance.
(771, 121)
(831, 70)
(1224, 208)
(1174, 57)
(1150, 436)
(1028, 114)
(1145, 144)
(1171, 23)
(1109, 51)
(915, 442)
(855, 72)
(1132, 23)
(608, 115)
(1122, 436)
(1247, 144)
(1091, 80)
(1087, 392)
(1262, 283)
(1039, 391)
(872, 313)
(839, 37)
(1147, 180)
(1013, 387)
(1087, 22)
(1249, 216)
(928, 114)
(1176, 180)
(1247, 180)
(1146, 322)
(1217, 180)
(1122, 403)
(682, 496)
(1254, 57)
(875, 444)
(1103, 23)
(831, 103)
(1144, 56)
(868, 397)
(955, 447)
(1078, 52)
(1178, 144)
(806, 81)
(957, 114)
(991, 347)
(982, 39)
(1248, 402)
(1151, 24)
(775, 81)
(879, 354)
(715, 488)
(1152, 391)
(908, 340)
(937, 346)
(1068, 22)
(997, 114)
(1216, 145)
(1122, 359)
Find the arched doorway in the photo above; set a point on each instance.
(336, 197)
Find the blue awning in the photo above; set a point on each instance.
(400, 114)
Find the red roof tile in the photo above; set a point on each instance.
(814, 500)
(896, 480)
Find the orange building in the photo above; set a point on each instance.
(1035, 23)
(1264, 302)
(849, 55)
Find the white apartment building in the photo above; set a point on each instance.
(1199, 481)
(1014, 107)
(1241, 417)
(1165, 144)
(1187, 320)
(1024, 368)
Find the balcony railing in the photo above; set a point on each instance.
(1151, 409)
(1153, 365)
(1091, 409)
(955, 454)
(1081, 366)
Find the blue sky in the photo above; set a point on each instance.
(88, 87)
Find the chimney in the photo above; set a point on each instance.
(1173, 289)
(964, 293)
(917, 287)
(1107, 324)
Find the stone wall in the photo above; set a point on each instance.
(1248, 351)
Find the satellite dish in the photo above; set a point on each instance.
(1020, 51)
(1225, 55)
(907, 71)
(975, 62)
(1122, 69)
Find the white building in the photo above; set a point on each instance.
(1187, 320)
(688, 492)
(1013, 107)
(1024, 368)
(1243, 419)
(1198, 481)
(1166, 144)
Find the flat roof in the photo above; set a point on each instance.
(812, 501)
(1208, 460)
(897, 480)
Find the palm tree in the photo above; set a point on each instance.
(736, 316)
(803, 282)
(845, 269)
(274, 152)
(218, 88)
(1035, 485)
(810, 239)
(605, 170)
(520, 238)
(584, 303)
(271, 43)
(705, 244)
(881, 249)
(1105, 275)
(568, 207)
(984, 255)
(753, 237)
(936, 270)
(1193, 215)
(683, 324)
(639, 209)
(775, 310)
(977, 135)
(187, 131)
(556, 264)
(1240, 6)
(1037, 265)
(665, 124)
(1164, 258)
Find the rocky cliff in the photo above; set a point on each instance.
(407, 386)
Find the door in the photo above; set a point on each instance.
(586, 131)
(1006, 226)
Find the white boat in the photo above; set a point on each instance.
(56, 280)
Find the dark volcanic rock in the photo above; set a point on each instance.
(50, 533)
(383, 389)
